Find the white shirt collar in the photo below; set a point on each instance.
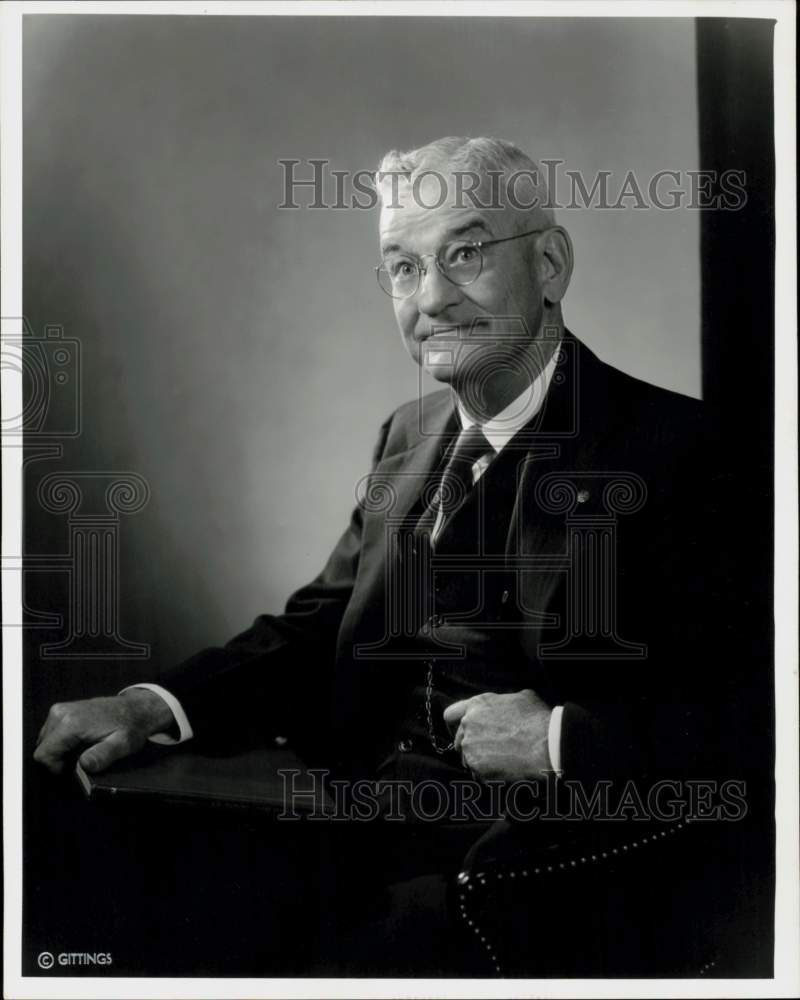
(502, 427)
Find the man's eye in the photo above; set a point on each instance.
(401, 268)
(463, 255)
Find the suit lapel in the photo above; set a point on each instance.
(404, 474)
(567, 437)
(580, 412)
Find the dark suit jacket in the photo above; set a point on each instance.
(613, 472)
(607, 452)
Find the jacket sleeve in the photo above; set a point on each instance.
(274, 678)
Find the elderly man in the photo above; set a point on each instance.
(523, 599)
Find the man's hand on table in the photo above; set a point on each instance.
(502, 737)
(109, 729)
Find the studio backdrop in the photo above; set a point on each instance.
(236, 357)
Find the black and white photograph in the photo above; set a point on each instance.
(399, 500)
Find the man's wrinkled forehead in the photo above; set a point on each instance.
(430, 208)
(424, 230)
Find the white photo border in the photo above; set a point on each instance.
(786, 981)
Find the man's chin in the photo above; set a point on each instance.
(442, 373)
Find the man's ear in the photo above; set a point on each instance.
(556, 264)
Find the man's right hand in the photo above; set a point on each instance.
(109, 728)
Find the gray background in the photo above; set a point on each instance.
(239, 357)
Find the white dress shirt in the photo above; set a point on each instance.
(498, 432)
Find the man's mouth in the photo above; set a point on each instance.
(442, 333)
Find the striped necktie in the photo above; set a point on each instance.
(456, 479)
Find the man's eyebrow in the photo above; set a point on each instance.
(476, 223)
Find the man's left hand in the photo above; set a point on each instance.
(502, 737)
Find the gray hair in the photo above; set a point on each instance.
(485, 157)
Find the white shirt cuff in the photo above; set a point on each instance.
(184, 728)
(554, 739)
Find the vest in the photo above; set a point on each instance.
(465, 639)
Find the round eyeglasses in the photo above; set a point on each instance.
(461, 262)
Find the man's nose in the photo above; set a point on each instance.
(435, 292)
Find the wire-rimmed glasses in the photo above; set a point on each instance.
(460, 261)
